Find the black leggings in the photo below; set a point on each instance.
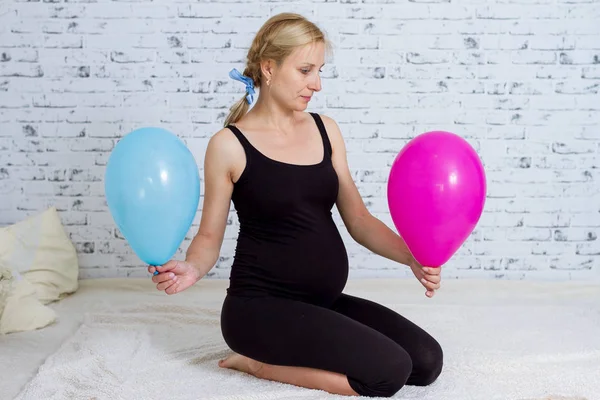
(377, 349)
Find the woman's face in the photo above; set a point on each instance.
(297, 79)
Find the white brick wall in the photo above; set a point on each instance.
(3, 13)
(518, 78)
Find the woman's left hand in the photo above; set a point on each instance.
(429, 277)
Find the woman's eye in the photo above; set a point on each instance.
(306, 71)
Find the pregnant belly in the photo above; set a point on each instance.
(312, 270)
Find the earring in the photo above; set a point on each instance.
(268, 82)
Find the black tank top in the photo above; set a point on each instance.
(288, 244)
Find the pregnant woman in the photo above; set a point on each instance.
(285, 315)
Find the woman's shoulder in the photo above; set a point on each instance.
(224, 147)
(223, 140)
(335, 136)
(333, 130)
(329, 122)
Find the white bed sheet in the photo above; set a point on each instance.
(21, 354)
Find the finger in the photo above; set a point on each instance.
(166, 284)
(165, 276)
(429, 285)
(432, 271)
(167, 267)
(433, 278)
(429, 293)
(174, 288)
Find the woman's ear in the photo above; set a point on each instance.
(267, 68)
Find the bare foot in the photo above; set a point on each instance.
(242, 363)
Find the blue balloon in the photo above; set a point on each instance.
(152, 188)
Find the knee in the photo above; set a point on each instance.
(427, 367)
(397, 376)
(391, 375)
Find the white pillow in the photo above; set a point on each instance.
(44, 266)
(21, 310)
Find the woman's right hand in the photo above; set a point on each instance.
(175, 276)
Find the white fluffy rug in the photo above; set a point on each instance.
(502, 347)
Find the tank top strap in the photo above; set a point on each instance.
(245, 143)
(323, 132)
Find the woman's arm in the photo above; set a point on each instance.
(364, 228)
(222, 153)
(367, 230)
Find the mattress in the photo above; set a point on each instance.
(496, 309)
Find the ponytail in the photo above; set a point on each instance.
(240, 108)
(237, 111)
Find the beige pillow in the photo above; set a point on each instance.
(22, 311)
(43, 263)
(6, 286)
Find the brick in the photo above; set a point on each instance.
(573, 147)
(529, 234)
(358, 42)
(552, 42)
(509, 11)
(21, 70)
(428, 58)
(549, 102)
(554, 162)
(132, 56)
(27, 173)
(533, 57)
(587, 42)
(77, 57)
(588, 249)
(20, 55)
(579, 57)
(571, 263)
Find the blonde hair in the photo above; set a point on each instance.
(276, 39)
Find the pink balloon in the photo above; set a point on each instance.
(436, 194)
